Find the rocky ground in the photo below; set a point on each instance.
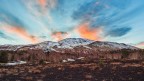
(110, 71)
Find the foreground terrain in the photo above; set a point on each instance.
(89, 71)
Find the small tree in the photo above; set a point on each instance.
(12, 58)
(21, 52)
(142, 54)
(101, 62)
(125, 53)
(3, 57)
(41, 61)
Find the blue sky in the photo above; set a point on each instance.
(33, 21)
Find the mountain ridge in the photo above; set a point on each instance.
(70, 43)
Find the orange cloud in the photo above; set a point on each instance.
(42, 3)
(46, 6)
(49, 3)
(57, 36)
(21, 33)
(89, 33)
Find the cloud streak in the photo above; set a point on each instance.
(98, 13)
(118, 32)
(40, 8)
(22, 33)
(3, 35)
(42, 3)
(140, 45)
(11, 19)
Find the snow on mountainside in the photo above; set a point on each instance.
(66, 43)
(69, 43)
(72, 42)
(45, 45)
(112, 45)
(10, 47)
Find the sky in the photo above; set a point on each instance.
(34, 21)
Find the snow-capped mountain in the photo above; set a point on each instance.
(70, 43)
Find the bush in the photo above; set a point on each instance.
(125, 53)
(3, 57)
(101, 62)
(22, 52)
(142, 54)
(41, 61)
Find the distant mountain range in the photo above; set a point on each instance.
(70, 43)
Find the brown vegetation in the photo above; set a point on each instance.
(35, 56)
(92, 71)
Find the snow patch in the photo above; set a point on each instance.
(81, 58)
(70, 60)
(15, 63)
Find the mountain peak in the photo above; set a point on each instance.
(69, 42)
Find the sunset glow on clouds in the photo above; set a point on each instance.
(33, 21)
(89, 33)
(22, 33)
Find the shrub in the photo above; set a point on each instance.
(125, 53)
(101, 62)
(21, 52)
(3, 57)
(41, 61)
(142, 54)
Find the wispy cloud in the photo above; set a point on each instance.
(140, 45)
(3, 35)
(21, 32)
(12, 24)
(118, 32)
(40, 8)
(10, 18)
(43, 3)
(106, 14)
